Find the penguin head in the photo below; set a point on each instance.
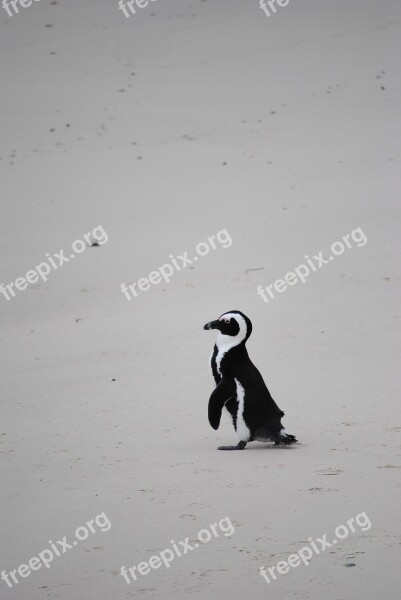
(233, 324)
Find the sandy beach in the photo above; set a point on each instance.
(238, 145)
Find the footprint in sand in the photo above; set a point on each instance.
(329, 472)
(320, 489)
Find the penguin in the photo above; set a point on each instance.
(240, 387)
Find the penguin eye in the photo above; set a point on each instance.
(227, 320)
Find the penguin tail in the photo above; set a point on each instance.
(285, 439)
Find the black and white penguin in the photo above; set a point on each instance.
(240, 387)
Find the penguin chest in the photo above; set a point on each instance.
(218, 357)
(241, 427)
(214, 367)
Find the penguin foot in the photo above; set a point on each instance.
(239, 446)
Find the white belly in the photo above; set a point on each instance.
(242, 429)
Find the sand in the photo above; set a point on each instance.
(164, 128)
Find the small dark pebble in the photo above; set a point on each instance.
(95, 243)
(113, 379)
(350, 564)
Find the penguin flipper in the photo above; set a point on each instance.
(223, 392)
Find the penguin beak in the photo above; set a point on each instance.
(212, 325)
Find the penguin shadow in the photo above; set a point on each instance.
(262, 447)
(271, 447)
